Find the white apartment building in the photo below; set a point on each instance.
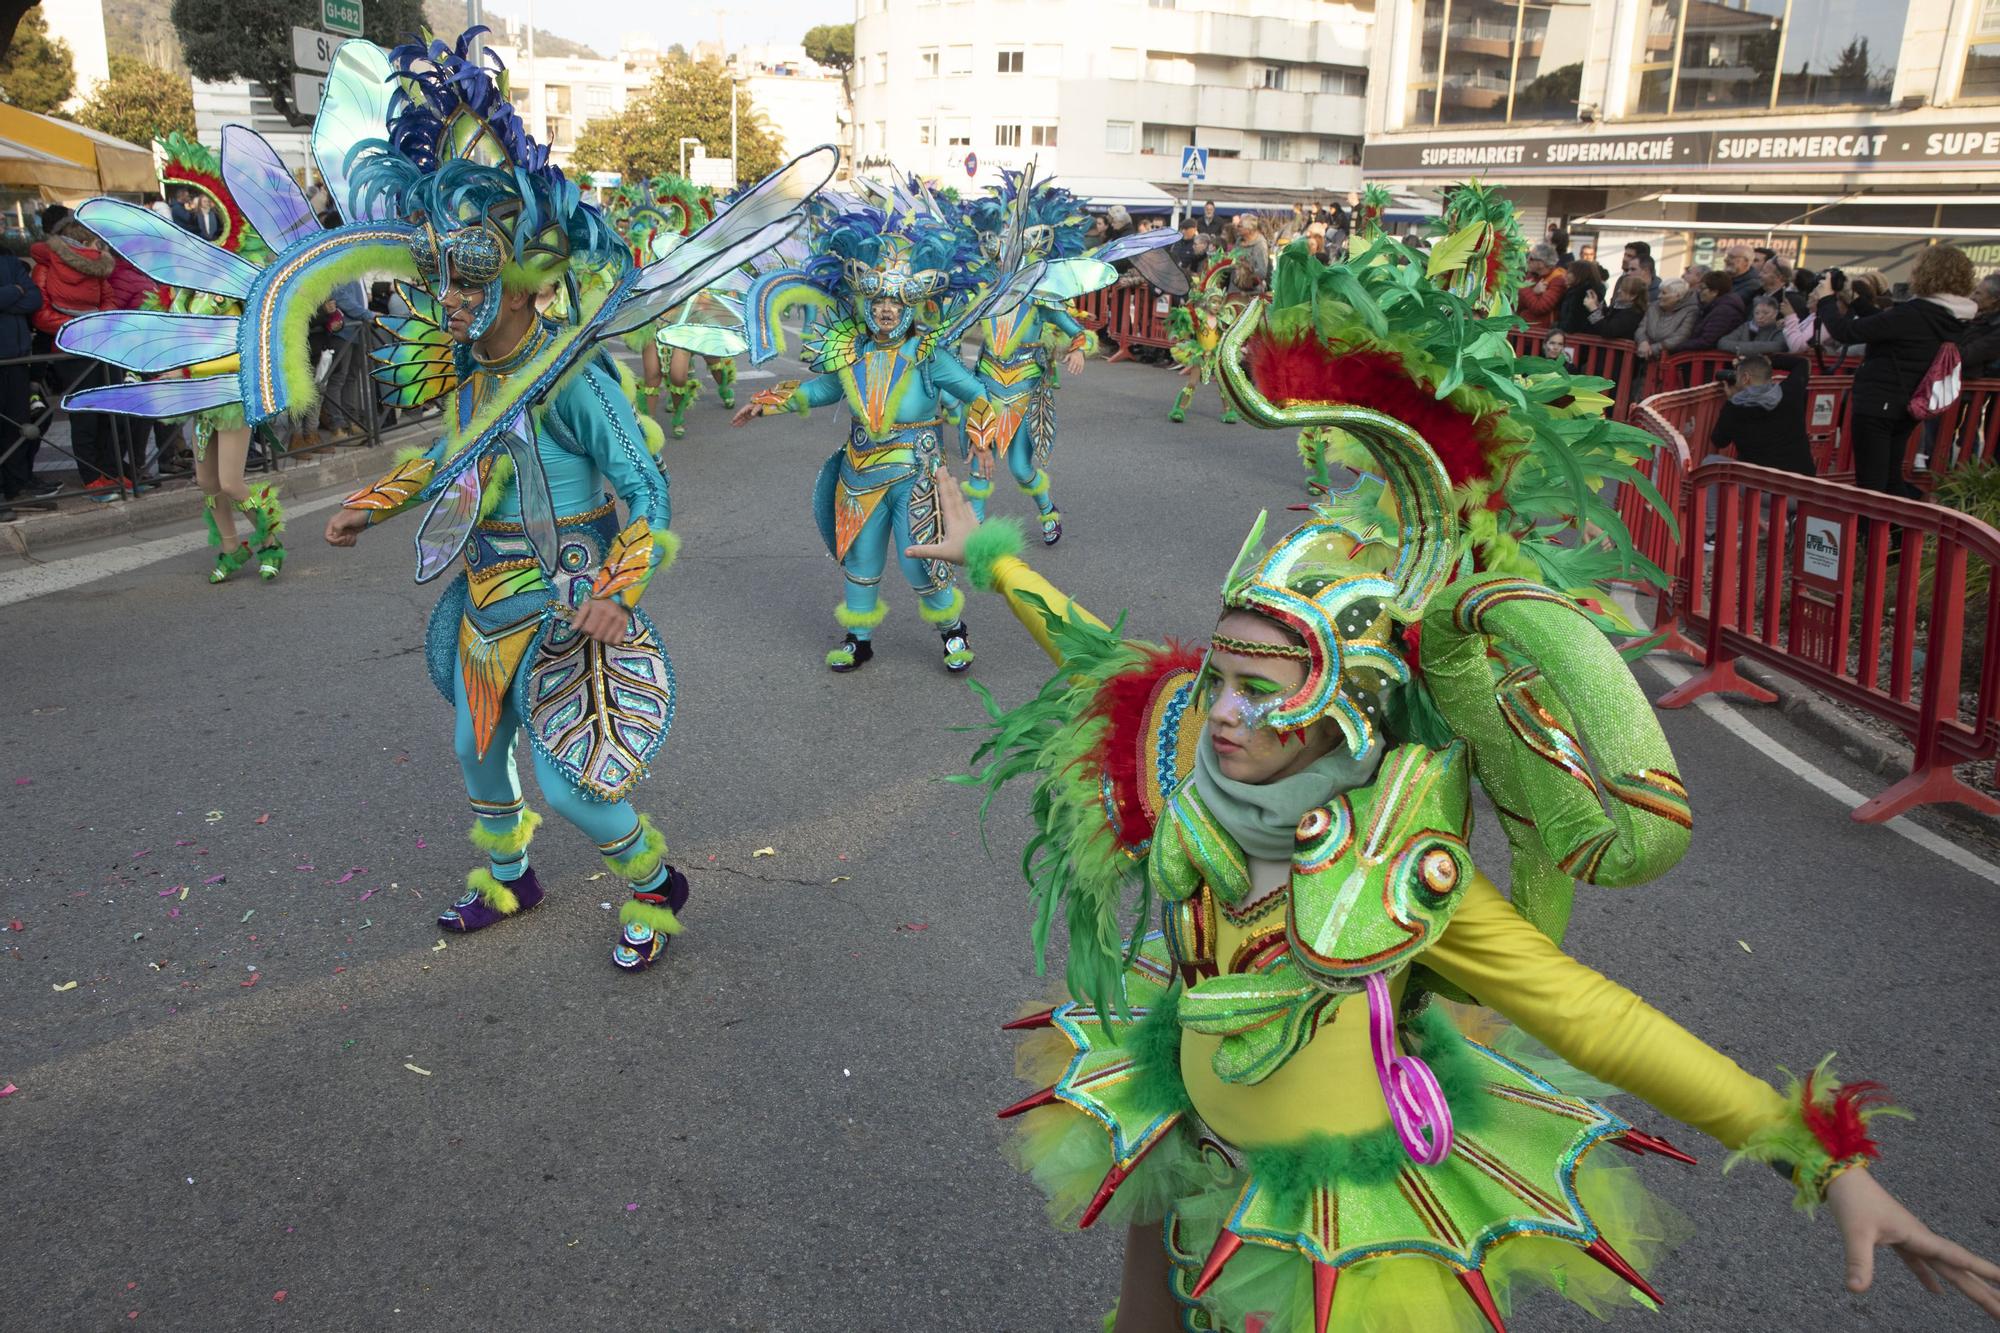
(1843, 132)
(1106, 96)
(804, 102)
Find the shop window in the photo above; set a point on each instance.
(1493, 61)
(1982, 58)
(1764, 54)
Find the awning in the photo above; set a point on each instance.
(69, 159)
(1104, 191)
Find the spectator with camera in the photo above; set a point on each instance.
(1623, 314)
(1764, 420)
(1585, 280)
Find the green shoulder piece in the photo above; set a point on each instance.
(1190, 847)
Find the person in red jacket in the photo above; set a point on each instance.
(1542, 295)
(72, 267)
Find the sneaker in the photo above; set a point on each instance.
(852, 653)
(103, 490)
(472, 912)
(43, 490)
(957, 647)
(640, 944)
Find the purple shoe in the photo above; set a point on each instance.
(643, 937)
(486, 899)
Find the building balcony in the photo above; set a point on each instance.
(1338, 116)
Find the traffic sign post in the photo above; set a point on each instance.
(312, 51)
(1194, 167)
(341, 16)
(307, 89)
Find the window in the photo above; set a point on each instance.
(1007, 136)
(1274, 147)
(860, 70)
(958, 60)
(1274, 76)
(1507, 60)
(881, 136)
(1165, 140)
(1124, 63)
(559, 132)
(1340, 152)
(1042, 136)
(1117, 136)
(1010, 60)
(1982, 58)
(555, 98)
(1346, 82)
(1159, 4)
(958, 132)
(927, 62)
(926, 133)
(881, 66)
(1768, 54)
(597, 100)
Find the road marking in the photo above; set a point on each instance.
(61, 575)
(1764, 743)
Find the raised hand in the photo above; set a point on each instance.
(956, 521)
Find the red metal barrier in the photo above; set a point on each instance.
(1135, 316)
(1969, 430)
(1685, 370)
(1614, 359)
(1794, 583)
(1094, 308)
(1683, 420)
(1826, 422)
(1527, 342)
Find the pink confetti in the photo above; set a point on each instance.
(264, 818)
(183, 842)
(23, 782)
(366, 896)
(173, 911)
(305, 867)
(147, 852)
(358, 870)
(254, 978)
(278, 1296)
(9, 1090)
(421, 844)
(631, 1207)
(215, 879)
(168, 893)
(914, 926)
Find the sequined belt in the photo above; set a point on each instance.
(893, 455)
(605, 510)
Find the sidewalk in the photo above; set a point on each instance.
(179, 501)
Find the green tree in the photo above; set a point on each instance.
(252, 39)
(140, 103)
(37, 74)
(832, 45)
(687, 98)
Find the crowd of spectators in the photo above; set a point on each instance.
(65, 271)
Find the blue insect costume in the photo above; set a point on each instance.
(441, 189)
(892, 371)
(1014, 358)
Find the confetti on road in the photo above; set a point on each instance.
(358, 870)
(265, 818)
(255, 977)
(367, 923)
(421, 844)
(840, 879)
(214, 879)
(67, 985)
(138, 935)
(366, 896)
(23, 782)
(15, 925)
(184, 893)
(183, 842)
(1740, 944)
(146, 852)
(438, 947)
(9, 1090)
(173, 912)
(416, 1070)
(246, 916)
(763, 851)
(213, 816)
(168, 893)
(278, 1296)
(912, 927)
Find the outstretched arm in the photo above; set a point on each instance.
(789, 396)
(991, 556)
(387, 497)
(1608, 1032)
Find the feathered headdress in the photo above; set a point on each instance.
(189, 165)
(1053, 220)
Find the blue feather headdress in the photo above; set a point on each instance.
(1053, 218)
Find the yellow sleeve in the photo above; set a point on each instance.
(1596, 1024)
(1011, 577)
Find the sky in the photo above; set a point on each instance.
(599, 23)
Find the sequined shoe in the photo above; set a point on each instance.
(488, 901)
(851, 654)
(957, 647)
(641, 941)
(1051, 528)
(229, 562)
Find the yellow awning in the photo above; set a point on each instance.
(67, 158)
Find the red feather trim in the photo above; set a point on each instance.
(212, 186)
(1124, 752)
(1842, 1127)
(1305, 370)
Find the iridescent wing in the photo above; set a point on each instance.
(149, 341)
(163, 252)
(531, 483)
(1067, 279)
(354, 107)
(709, 324)
(766, 214)
(157, 398)
(448, 522)
(418, 364)
(1138, 243)
(263, 189)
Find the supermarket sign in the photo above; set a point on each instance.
(1901, 146)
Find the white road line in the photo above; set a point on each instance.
(61, 575)
(1762, 741)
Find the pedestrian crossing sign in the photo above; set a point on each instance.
(1194, 163)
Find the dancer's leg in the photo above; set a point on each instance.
(942, 607)
(503, 826)
(861, 609)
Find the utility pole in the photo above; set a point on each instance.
(735, 175)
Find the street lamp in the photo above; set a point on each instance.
(687, 139)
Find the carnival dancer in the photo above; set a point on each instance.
(221, 440)
(1297, 799)
(890, 354)
(657, 216)
(1197, 325)
(427, 162)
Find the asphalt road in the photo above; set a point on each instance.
(788, 1125)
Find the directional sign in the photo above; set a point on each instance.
(312, 51)
(307, 89)
(341, 16)
(1194, 161)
